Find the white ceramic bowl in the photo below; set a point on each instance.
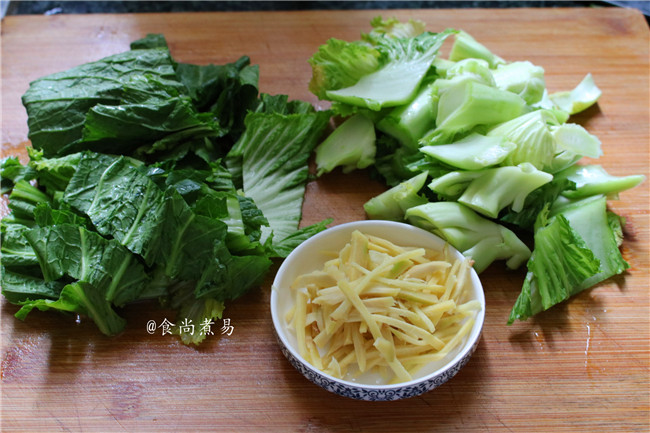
(309, 256)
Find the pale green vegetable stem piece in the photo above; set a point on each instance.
(473, 152)
(468, 103)
(465, 47)
(530, 132)
(397, 81)
(407, 123)
(593, 180)
(476, 237)
(522, 78)
(491, 190)
(351, 146)
(392, 204)
(579, 99)
(500, 187)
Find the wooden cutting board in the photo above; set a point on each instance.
(582, 366)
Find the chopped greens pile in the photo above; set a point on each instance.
(475, 150)
(153, 179)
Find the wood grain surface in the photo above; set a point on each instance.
(581, 366)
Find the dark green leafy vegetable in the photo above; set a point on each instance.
(18, 288)
(127, 196)
(16, 250)
(73, 251)
(58, 105)
(81, 298)
(12, 171)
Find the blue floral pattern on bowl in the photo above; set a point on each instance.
(359, 392)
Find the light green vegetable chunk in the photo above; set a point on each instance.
(395, 28)
(393, 204)
(589, 217)
(522, 78)
(560, 262)
(407, 123)
(576, 247)
(351, 146)
(503, 186)
(466, 47)
(472, 152)
(476, 69)
(467, 104)
(338, 64)
(574, 138)
(594, 180)
(452, 185)
(532, 136)
(491, 190)
(482, 240)
(397, 81)
(579, 99)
